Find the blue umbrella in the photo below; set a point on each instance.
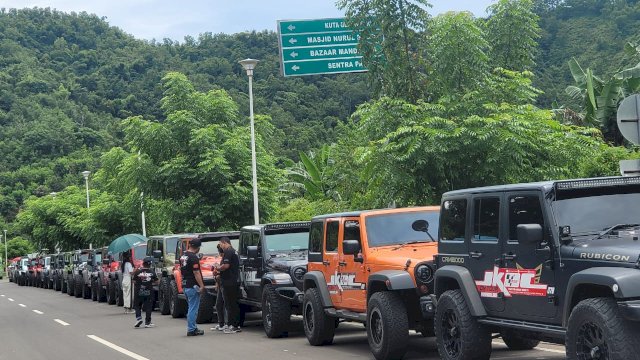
(126, 242)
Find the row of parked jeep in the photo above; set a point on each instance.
(556, 261)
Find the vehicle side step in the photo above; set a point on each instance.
(551, 330)
(346, 314)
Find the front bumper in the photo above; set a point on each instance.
(291, 294)
(428, 306)
(630, 309)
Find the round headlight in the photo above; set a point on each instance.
(298, 273)
(424, 274)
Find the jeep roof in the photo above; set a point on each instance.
(279, 226)
(373, 212)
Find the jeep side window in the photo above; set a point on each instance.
(245, 239)
(315, 237)
(453, 220)
(486, 219)
(524, 209)
(332, 236)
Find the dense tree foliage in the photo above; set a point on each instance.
(163, 126)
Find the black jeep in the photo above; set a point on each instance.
(555, 261)
(273, 261)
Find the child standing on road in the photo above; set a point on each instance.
(144, 279)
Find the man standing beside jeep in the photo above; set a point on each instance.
(192, 284)
(229, 273)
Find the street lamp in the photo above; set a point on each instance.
(86, 174)
(6, 269)
(249, 65)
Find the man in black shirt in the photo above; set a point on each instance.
(229, 273)
(192, 284)
(144, 279)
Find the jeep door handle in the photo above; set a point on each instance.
(475, 254)
(326, 263)
(342, 263)
(509, 257)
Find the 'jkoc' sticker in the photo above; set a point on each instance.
(509, 282)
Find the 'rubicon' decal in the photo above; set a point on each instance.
(510, 282)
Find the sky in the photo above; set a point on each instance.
(175, 19)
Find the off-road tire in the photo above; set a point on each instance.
(71, 285)
(78, 286)
(276, 313)
(318, 327)
(63, 285)
(111, 292)
(206, 309)
(101, 291)
(164, 298)
(178, 307)
(387, 326)
(459, 336)
(86, 290)
(516, 342)
(598, 320)
(94, 290)
(119, 294)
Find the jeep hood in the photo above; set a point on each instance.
(417, 253)
(619, 249)
(285, 264)
(207, 262)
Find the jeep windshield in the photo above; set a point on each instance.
(279, 243)
(84, 257)
(140, 252)
(593, 210)
(396, 228)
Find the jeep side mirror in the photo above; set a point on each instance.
(529, 234)
(252, 252)
(420, 225)
(351, 247)
(157, 254)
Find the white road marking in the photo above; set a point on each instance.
(10, 299)
(2, 295)
(61, 322)
(38, 312)
(117, 348)
(23, 305)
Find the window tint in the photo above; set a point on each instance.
(352, 230)
(524, 210)
(315, 237)
(453, 220)
(332, 236)
(486, 219)
(245, 240)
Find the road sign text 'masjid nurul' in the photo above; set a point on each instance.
(323, 46)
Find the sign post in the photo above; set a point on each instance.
(322, 46)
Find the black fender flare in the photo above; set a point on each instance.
(391, 279)
(462, 276)
(315, 279)
(627, 280)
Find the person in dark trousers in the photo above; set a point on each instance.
(143, 280)
(229, 274)
(220, 308)
(192, 284)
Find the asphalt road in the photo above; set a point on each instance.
(43, 324)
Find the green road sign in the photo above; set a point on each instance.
(323, 46)
(326, 66)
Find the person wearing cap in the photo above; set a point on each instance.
(144, 279)
(192, 284)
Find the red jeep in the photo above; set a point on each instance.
(209, 259)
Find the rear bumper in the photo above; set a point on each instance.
(630, 309)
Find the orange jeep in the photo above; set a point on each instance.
(374, 267)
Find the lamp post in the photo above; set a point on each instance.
(6, 269)
(86, 174)
(249, 65)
